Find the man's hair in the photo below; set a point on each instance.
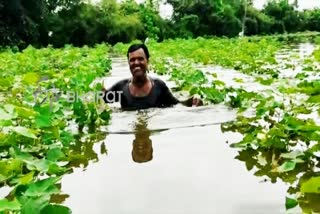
(135, 47)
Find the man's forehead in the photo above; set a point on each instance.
(139, 52)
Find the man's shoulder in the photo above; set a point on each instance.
(158, 81)
(120, 84)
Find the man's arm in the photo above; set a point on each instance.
(169, 100)
(166, 97)
(112, 94)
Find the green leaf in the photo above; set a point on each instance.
(6, 123)
(24, 131)
(43, 187)
(55, 154)
(314, 99)
(23, 156)
(311, 186)
(213, 95)
(31, 78)
(25, 112)
(26, 179)
(5, 82)
(105, 115)
(293, 155)
(43, 121)
(291, 203)
(9, 168)
(34, 205)
(55, 169)
(6, 205)
(66, 138)
(55, 209)
(287, 166)
(41, 165)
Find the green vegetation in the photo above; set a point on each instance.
(246, 54)
(38, 145)
(280, 131)
(79, 23)
(45, 133)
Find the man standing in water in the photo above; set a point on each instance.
(141, 91)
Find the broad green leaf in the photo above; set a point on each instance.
(26, 179)
(105, 115)
(6, 123)
(55, 209)
(5, 82)
(287, 166)
(55, 154)
(55, 169)
(291, 203)
(66, 138)
(311, 186)
(23, 156)
(314, 99)
(31, 78)
(25, 131)
(34, 205)
(43, 121)
(2, 137)
(3, 178)
(292, 155)
(25, 112)
(9, 168)
(6, 205)
(41, 165)
(43, 187)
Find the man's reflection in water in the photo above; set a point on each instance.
(142, 144)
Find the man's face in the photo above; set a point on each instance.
(138, 63)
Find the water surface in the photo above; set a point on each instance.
(174, 160)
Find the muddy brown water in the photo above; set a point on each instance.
(174, 160)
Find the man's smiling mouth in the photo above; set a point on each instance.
(137, 69)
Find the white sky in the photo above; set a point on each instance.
(303, 4)
(166, 10)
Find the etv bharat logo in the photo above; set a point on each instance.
(53, 94)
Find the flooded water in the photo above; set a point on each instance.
(174, 160)
(189, 170)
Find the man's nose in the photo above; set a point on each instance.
(136, 61)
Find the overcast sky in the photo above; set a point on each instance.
(303, 4)
(166, 10)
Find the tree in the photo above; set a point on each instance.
(286, 17)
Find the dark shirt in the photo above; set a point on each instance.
(159, 96)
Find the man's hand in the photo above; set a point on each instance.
(196, 101)
(192, 101)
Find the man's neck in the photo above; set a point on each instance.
(139, 82)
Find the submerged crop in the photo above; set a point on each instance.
(37, 145)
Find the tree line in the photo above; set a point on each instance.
(77, 22)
